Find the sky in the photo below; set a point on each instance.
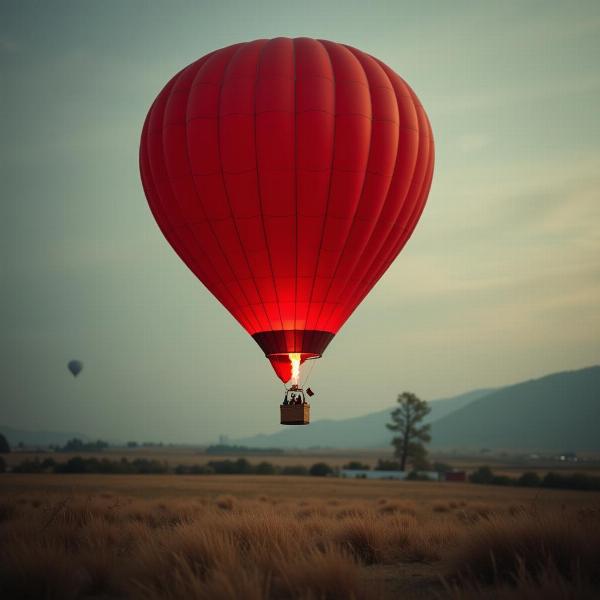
(499, 283)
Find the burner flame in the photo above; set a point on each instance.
(295, 360)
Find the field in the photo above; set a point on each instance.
(226, 537)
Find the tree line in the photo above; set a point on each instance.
(568, 481)
(143, 466)
(241, 466)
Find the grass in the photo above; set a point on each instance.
(292, 538)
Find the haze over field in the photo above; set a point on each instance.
(500, 282)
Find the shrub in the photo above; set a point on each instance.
(294, 470)
(574, 481)
(502, 480)
(387, 465)
(482, 475)
(529, 479)
(28, 466)
(230, 467)
(79, 464)
(148, 466)
(243, 466)
(356, 465)
(193, 470)
(265, 468)
(320, 469)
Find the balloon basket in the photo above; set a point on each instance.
(295, 414)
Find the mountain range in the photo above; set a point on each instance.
(39, 438)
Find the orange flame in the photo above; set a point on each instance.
(295, 360)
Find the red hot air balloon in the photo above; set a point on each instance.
(287, 174)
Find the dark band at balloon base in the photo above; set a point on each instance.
(293, 341)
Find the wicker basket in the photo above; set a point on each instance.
(295, 414)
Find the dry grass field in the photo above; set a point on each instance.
(229, 537)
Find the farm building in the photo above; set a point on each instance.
(455, 476)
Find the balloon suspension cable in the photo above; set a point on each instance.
(302, 382)
(311, 365)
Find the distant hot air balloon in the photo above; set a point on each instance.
(287, 174)
(75, 366)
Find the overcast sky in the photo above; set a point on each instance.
(499, 283)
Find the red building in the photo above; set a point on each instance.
(455, 476)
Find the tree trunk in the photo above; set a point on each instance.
(405, 444)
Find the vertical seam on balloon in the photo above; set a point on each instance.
(417, 210)
(155, 207)
(385, 202)
(358, 204)
(415, 216)
(352, 304)
(224, 181)
(370, 264)
(382, 259)
(235, 304)
(208, 221)
(421, 196)
(201, 206)
(180, 250)
(296, 196)
(258, 189)
(427, 179)
(324, 225)
(187, 256)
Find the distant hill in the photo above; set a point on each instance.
(368, 431)
(557, 412)
(38, 438)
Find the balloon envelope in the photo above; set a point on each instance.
(287, 174)
(75, 366)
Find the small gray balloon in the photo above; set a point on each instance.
(75, 367)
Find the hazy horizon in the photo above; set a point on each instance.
(499, 283)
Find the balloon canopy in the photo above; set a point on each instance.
(287, 174)
(75, 366)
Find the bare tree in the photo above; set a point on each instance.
(406, 420)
